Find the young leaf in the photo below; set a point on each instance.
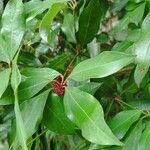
(144, 143)
(122, 122)
(55, 118)
(103, 65)
(48, 19)
(142, 52)
(89, 22)
(86, 112)
(13, 26)
(4, 80)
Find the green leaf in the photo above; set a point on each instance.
(119, 4)
(134, 16)
(141, 104)
(142, 52)
(31, 86)
(1, 7)
(144, 143)
(122, 46)
(37, 79)
(59, 61)
(93, 48)
(103, 65)
(48, 19)
(13, 26)
(3, 51)
(34, 8)
(55, 118)
(32, 118)
(133, 139)
(68, 27)
(122, 122)
(86, 112)
(45, 73)
(20, 129)
(146, 23)
(8, 97)
(15, 77)
(4, 80)
(90, 87)
(89, 22)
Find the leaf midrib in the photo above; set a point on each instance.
(98, 66)
(101, 131)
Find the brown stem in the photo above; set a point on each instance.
(77, 53)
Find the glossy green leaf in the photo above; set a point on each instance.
(15, 76)
(141, 104)
(89, 22)
(8, 97)
(32, 118)
(122, 122)
(68, 27)
(55, 118)
(142, 52)
(36, 7)
(103, 65)
(33, 8)
(37, 79)
(122, 46)
(134, 16)
(59, 61)
(48, 19)
(146, 23)
(1, 7)
(4, 80)
(90, 87)
(119, 4)
(93, 48)
(3, 50)
(132, 141)
(13, 26)
(45, 73)
(144, 143)
(31, 86)
(86, 112)
(20, 129)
